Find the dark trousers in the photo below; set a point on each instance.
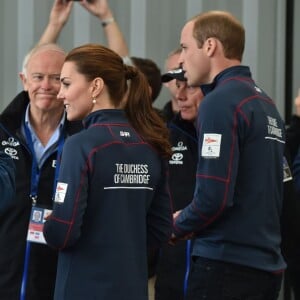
(216, 280)
(169, 294)
(292, 284)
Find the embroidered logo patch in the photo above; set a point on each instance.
(60, 193)
(10, 147)
(211, 145)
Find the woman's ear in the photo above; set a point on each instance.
(97, 86)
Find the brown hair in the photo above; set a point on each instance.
(152, 72)
(224, 27)
(95, 60)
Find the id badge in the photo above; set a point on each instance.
(36, 224)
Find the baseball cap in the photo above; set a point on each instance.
(173, 74)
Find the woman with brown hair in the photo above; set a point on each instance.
(112, 199)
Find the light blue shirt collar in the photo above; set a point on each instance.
(41, 152)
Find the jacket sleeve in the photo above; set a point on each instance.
(63, 227)
(7, 182)
(218, 156)
(159, 217)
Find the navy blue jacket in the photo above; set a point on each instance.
(172, 264)
(236, 208)
(111, 202)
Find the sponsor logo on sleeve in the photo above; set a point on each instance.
(211, 145)
(60, 193)
(273, 130)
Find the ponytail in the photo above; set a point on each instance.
(141, 114)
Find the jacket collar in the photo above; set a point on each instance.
(229, 73)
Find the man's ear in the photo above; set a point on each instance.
(210, 46)
(24, 80)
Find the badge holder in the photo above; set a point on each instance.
(38, 217)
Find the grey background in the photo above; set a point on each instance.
(152, 29)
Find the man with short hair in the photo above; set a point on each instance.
(33, 129)
(234, 215)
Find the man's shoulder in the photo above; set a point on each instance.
(12, 115)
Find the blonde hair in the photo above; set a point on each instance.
(38, 49)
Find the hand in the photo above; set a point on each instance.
(98, 8)
(60, 12)
(173, 240)
(47, 215)
(176, 214)
(59, 15)
(297, 104)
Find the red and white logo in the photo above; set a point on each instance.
(60, 193)
(211, 145)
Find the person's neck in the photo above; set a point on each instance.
(44, 123)
(222, 65)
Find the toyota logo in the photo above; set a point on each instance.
(10, 151)
(177, 156)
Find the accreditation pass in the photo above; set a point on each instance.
(36, 224)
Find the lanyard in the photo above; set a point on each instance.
(188, 264)
(35, 177)
(35, 172)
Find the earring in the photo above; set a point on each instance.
(94, 100)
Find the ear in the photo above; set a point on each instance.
(210, 46)
(24, 80)
(97, 86)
